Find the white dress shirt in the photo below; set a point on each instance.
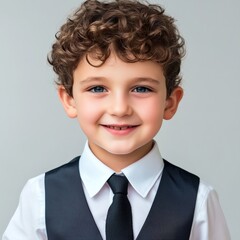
(28, 222)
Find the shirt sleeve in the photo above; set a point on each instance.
(28, 221)
(209, 222)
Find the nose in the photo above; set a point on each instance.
(120, 105)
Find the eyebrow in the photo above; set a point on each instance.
(136, 80)
(92, 79)
(146, 79)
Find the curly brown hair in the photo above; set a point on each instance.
(135, 31)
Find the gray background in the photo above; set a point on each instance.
(35, 134)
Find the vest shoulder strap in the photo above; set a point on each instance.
(171, 214)
(68, 216)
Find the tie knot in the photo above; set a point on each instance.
(118, 184)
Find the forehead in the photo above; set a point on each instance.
(114, 67)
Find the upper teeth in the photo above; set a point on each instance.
(118, 128)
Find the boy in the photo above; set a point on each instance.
(118, 66)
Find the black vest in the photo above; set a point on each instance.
(68, 216)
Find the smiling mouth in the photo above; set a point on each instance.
(119, 128)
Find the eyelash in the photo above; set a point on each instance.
(96, 89)
(142, 89)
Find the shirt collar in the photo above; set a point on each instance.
(142, 174)
(93, 172)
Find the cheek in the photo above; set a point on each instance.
(88, 112)
(152, 111)
(153, 118)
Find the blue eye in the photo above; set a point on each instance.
(97, 89)
(142, 89)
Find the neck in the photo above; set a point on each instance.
(117, 162)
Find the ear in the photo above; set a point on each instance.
(67, 102)
(172, 103)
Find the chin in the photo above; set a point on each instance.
(122, 149)
(119, 149)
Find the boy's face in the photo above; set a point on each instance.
(120, 107)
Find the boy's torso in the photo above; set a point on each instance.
(170, 217)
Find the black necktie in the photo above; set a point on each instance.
(119, 217)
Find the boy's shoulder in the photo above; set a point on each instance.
(73, 162)
(180, 174)
(37, 184)
(170, 169)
